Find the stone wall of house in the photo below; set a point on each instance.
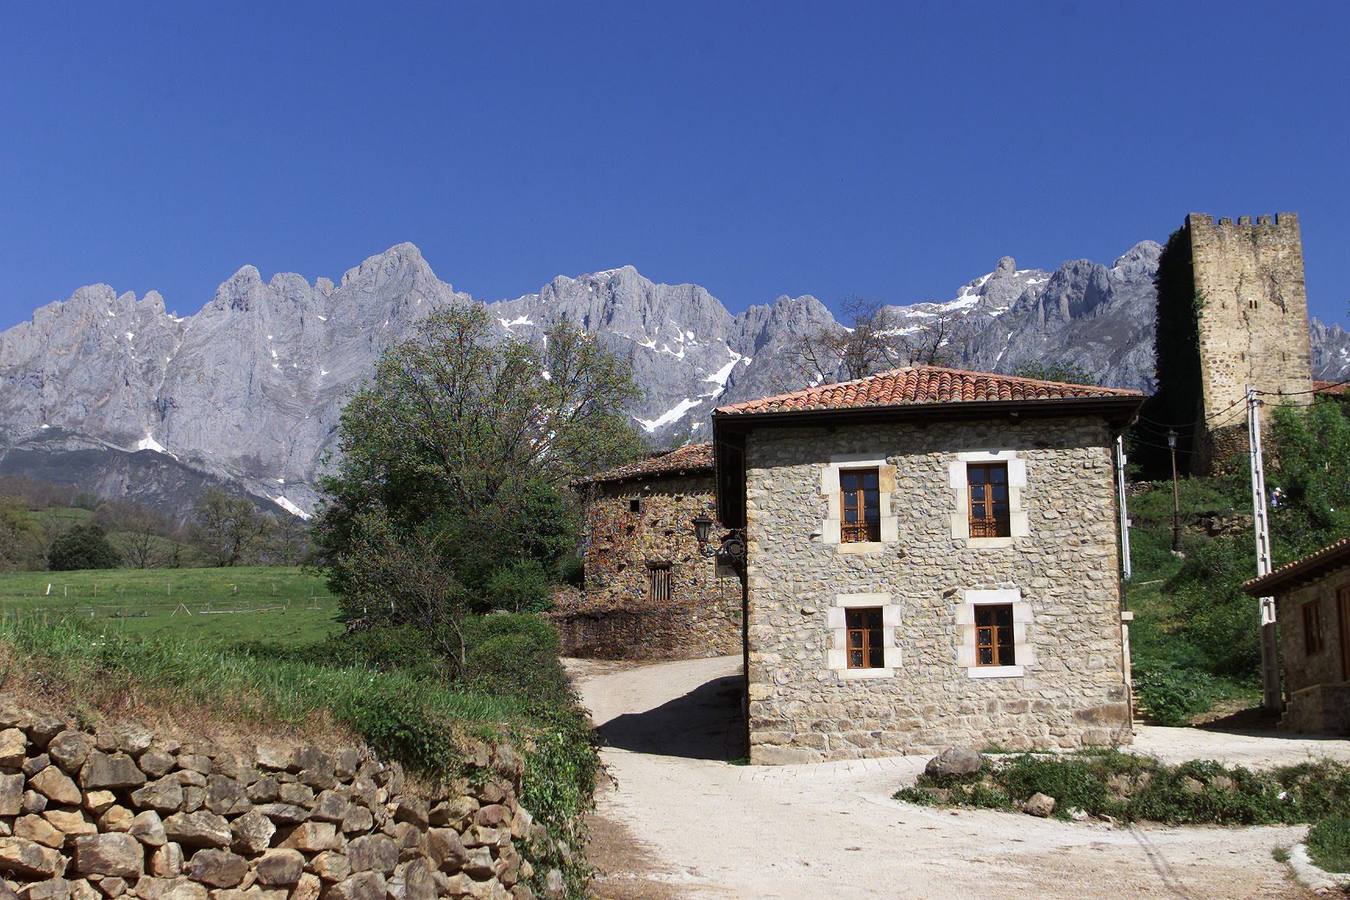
(1316, 699)
(616, 617)
(1066, 569)
(1253, 321)
(127, 812)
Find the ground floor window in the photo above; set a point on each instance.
(865, 644)
(1312, 628)
(994, 635)
(658, 582)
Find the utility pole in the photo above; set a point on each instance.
(1270, 672)
(1125, 567)
(1176, 494)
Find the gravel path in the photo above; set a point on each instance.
(677, 820)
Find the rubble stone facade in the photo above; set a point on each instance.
(1317, 694)
(1253, 312)
(1059, 573)
(123, 811)
(633, 526)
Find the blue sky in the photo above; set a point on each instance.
(881, 150)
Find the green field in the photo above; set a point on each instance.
(274, 605)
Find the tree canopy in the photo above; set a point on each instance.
(462, 446)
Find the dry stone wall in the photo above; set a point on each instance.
(126, 812)
(1072, 691)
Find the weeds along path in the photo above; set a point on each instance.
(678, 820)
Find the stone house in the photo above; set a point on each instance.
(931, 560)
(652, 589)
(1312, 605)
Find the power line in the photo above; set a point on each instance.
(1317, 390)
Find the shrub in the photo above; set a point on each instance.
(1072, 781)
(1173, 695)
(516, 655)
(1329, 844)
(82, 547)
(523, 586)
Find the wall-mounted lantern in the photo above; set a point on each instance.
(703, 531)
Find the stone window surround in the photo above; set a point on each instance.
(965, 630)
(1017, 479)
(836, 655)
(829, 488)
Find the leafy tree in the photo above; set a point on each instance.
(1067, 373)
(20, 538)
(228, 530)
(876, 339)
(462, 446)
(82, 547)
(1310, 464)
(140, 531)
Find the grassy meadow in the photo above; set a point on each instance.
(242, 604)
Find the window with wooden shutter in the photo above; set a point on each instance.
(994, 635)
(863, 633)
(987, 485)
(859, 506)
(658, 576)
(1312, 628)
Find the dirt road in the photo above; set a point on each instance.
(679, 821)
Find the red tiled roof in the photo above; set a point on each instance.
(921, 385)
(1331, 556)
(1334, 388)
(689, 458)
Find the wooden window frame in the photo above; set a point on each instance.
(1314, 640)
(863, 531)
(988, 635)
(983, 521)
(866, 623)
(660, 584)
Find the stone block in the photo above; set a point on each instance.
(373, 852)
(330, 806)
(198, 829)
(13, 748)
(331, 866)
(217, 868)
(70, 821)
(280, 867)
(361, 886)
(446, 849)
(164, 795)
(167, 861)
(148, 828)
(116, 818)
(156, 762)
(312, 837)
(19, 856)
(252, 833)
(119, 855)
(225, 796)
(99, 801)
(109, 771)
(39, 830)
(11, 794)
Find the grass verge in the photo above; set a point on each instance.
(1127, 787)
(1329, 844)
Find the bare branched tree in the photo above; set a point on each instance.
(876, 339)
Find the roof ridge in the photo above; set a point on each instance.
(953, 386)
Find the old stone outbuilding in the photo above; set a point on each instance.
(931, 560)
(652, 590)
(1312, 603)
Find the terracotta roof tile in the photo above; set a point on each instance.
(1333, 388)
(689, 458)
(1333, 555)
(921, 385)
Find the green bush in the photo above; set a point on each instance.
(1173, 695)
(83, 547)
(523, 586)
(1329, 844)
(1130, 787)
(1074, 782)
(516, 655)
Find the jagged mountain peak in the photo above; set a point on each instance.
(249, 389)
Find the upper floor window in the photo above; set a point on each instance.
(860, 505)
(658, 582)
(987, 484)
(865, 643)
(994, 644)
(1312, 628)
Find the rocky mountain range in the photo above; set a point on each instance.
(115, 394)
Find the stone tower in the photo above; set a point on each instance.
(1251, 314)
